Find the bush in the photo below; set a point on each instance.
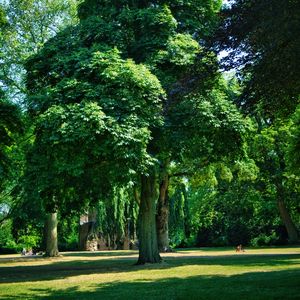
(5, 233)
(29, 241)
(264, 239)
(190, 241)
(10, 247)
(177, 239)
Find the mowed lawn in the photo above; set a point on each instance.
(206, 273)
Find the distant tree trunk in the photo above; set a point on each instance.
(288, 222)
(285, 215)
(87, 240)
(162, 217)
(126, 244)
(85, 230)
(51, 244)
(148, 248)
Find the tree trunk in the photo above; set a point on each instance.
(162, 217)
(85, 232)
(288, 222)
(148, 248)
(87, 239)
(51, 245)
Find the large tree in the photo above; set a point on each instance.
(101, 111)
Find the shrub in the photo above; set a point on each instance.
(264, 239)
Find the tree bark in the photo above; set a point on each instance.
(288, 222)
(87, 238)
(148, 248)
(85, 231)
(51, 245)
(162, 217)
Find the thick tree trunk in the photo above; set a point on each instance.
(162, 217)
(288, 222)
(148, 248)
(51, 245)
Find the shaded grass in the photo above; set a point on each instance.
(192, 274)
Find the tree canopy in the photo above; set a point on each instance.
(128, 72)
(26, 26)
(263, 42)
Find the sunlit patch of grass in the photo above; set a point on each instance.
(269, 273)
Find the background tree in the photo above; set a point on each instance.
(11, 126)
(263, 52)
(263, 41)
(270, 145)
(11, 131)
(28, 25)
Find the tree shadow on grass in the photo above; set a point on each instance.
(65, 269)
(284, 284)
(113, 253)
(230, 249)
(242, 260)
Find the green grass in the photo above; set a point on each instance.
(211, 273)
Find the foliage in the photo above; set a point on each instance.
(11, 154)
(97, 124)
(79, 72)
(68, 232)
(117, 217)
(225, 215)
(238, 202)
(178, 217)
(31, 240)
(5, 234)
(264, 239)
(265, 51)
(25, 26)
(293, 147)
(28, 25)
(10, 126)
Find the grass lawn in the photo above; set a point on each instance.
(206, 273)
